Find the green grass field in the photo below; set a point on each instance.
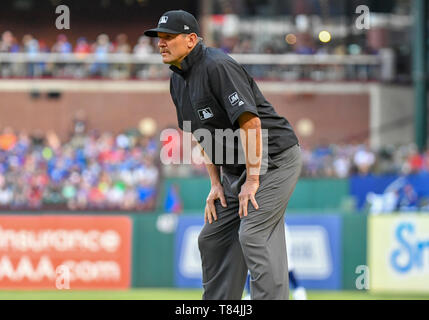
(180, 294)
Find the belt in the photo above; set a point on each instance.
(238, 170)
(277, 153)
(235, 170)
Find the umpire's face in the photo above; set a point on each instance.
(175, 47)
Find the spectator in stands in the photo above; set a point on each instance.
(304, 44)
(228, 44)
(31, 47)
(342, 166)
(8, 139)
(141, 50)
(243, 46)
(62, 45)
(322, 159)
(415, 161)
(30, 44)
(143, 47)
(426, 161)
(101, 49)
(81, 50)
(6, 42)
(121, 46)
(82, 47)
(15, 46)
(6, 194)
(364, 159)
(43, 46)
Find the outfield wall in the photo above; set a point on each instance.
(155, 250)
(114, 250)
(120, 251)
(326, 193)
(318, 194)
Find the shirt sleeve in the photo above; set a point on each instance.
(231, 86)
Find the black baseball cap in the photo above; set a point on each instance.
(175, 21)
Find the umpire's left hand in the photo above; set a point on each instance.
(248, 192)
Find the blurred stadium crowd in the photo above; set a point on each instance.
(103, 46)
(100, 48)
(100, 170)
(342, 161)
(94, 170)
(90, 171)
(229, 44)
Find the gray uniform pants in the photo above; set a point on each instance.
(231, 246)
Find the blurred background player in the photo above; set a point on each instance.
(297, 290)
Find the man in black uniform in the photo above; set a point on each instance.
(211, 91)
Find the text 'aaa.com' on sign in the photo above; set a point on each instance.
(94, 250)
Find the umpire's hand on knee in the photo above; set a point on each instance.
(248, 192)
(216, 192)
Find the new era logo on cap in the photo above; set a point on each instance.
(185, 27)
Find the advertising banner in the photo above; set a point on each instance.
(315, 250)
(187, 260)
(65, 252)
(398, 252)
(362, 186)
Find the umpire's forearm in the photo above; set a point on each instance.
(251, 138)
(213, 173)
(212, 169)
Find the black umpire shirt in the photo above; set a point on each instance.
(211, 91)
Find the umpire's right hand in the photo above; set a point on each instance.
(216, 192)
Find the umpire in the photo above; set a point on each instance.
(246, 204)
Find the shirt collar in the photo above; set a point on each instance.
(193, 57)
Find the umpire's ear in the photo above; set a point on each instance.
(191, 40)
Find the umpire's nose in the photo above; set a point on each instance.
(161, 43)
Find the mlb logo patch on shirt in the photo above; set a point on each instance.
(205, 113)
(233, 98)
